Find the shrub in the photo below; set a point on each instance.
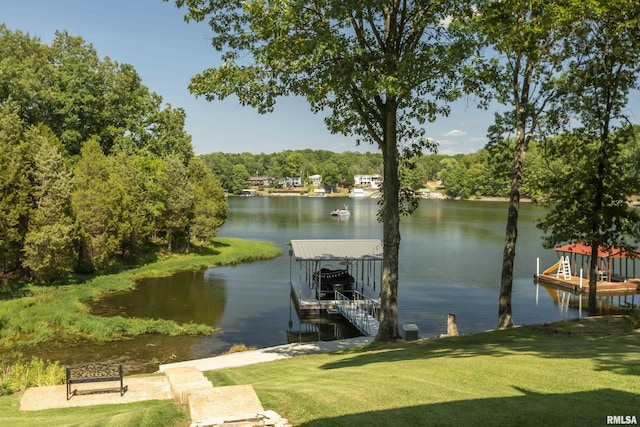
(34, 373)
(237, 348)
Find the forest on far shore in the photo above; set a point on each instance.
(485, 173)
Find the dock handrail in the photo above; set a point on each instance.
(360, 310)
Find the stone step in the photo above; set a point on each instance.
(185, 380)
(223, 404)
(231, 406)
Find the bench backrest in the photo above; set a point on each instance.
(94, 370)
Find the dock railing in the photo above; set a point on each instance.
(360, 310)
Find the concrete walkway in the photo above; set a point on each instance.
(139, 389)
(269, 354)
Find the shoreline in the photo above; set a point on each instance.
(348, 196)
(48, 315)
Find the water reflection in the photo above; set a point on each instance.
(573, 301)
(189, 296)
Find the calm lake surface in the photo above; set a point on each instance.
(450, 261)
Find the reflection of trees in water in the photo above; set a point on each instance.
(184, 297)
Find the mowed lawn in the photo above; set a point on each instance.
(571, 373)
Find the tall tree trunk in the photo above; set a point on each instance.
(505, 317)
(391, 230)
(596, 214)
(593, 280)
(522, 110)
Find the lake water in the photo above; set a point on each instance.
(450, 261)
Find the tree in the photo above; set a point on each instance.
(16, 170)
(49, 242)
(98, 202)
(238, 180)
(79, 88)
(168, 135)
(151, 182)
(26, 75)
(593, 208)
(178, 211)
(142, 177)
(380, 68)
(330, 174)
(526, 38)
(209, 204)
(293, 166)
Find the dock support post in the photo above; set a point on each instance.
(537, 266)
(580, 306)
(580, 279)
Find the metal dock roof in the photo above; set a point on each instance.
(333, 249)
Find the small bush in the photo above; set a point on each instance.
(237, 348)
(34, 373)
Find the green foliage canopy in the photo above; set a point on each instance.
(93, 168)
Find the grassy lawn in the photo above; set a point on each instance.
(154, 413)
(47, 313)
(571, 373)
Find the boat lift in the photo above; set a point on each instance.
(359, 258)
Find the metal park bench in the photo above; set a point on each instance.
(93, 373)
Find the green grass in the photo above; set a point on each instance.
(153, 413)
(46, 313)
(562, 374)
(571, 373)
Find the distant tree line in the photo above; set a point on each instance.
(94, 169)
(337, 169)
(484, 173)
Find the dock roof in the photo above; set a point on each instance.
(583, 249)
(337, 249)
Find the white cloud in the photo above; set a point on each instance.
(455, 132)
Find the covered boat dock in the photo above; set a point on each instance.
(616, 270)
(337, 277)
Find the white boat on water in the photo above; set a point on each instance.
(343, 211)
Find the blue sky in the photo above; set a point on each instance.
(152, 36)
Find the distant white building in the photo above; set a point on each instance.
(371, 181)
(316, 180)
(292, 181)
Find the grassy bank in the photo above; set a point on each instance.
(46, 313)
(152, 413)
(571, 373)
